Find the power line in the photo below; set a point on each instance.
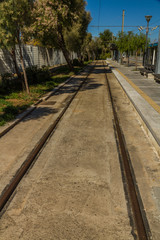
(112, 26)
(99, 14)
(155, 22)
(155, 32)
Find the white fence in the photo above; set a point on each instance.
(33, 55)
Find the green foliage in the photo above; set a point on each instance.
(32, 73)
(130, 41)
(87, 62)
(9, 83)
(3, 103)
(10, 111)
(88, 47)
(122, 42)
(21, 100)
(6, 80)
(15, 17)
(106, 37)
(60, 24)
(105, 41)
(95, 48)
(139, 41)
(37, 75)
(42, 75)
(46, 20)
(105, 56)
(13, 95)
(76, 62)
(52, 18)
(75, 35)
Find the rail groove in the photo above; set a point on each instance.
(140, 220)
(10, 188)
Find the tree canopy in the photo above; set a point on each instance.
(130, 41)
(53, 19)
(15, 18)
(75, 35)
(106, 37)
(50, 23)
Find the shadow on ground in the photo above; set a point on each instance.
(69, 88)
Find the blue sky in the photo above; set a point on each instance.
(109, 13)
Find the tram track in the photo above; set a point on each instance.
(10, 188)
(34, 107)
(135, 202)
(140, 226)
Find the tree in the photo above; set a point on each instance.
(76, 35)
(15, 17)
(127, 42)
(106, 39)
(121, 43)
(97, 47)
(138, 42)
(85, 47)
(52, 19)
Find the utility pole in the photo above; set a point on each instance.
(157, 71)
(123, 21)
(121, 57)
(148, 18)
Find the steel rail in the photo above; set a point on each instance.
(139, 217)
(55, 90)
(10, 188)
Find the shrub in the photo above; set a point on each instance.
(6, 80)
(50, 84)
(32, 74)
(12, 110)
(42, 75)
(45, 68)
(37, 75)
(105, 56)
(76, 62)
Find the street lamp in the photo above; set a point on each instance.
(148, 18)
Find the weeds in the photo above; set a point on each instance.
(13, 100)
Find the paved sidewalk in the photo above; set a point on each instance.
(145, 96)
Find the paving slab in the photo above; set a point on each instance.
(144, 159)
(145, 95)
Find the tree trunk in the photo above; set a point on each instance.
(80, 57)
(23, 68)
(13, 55)
(136, 60)
(62, 46)
(121, 56)
(48, 58)
(89, 56)
(128, 59)
(94, 56)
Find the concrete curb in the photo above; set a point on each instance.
(148, 116)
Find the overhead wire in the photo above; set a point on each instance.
(112, 26)
(155, 22)
(99, 14)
